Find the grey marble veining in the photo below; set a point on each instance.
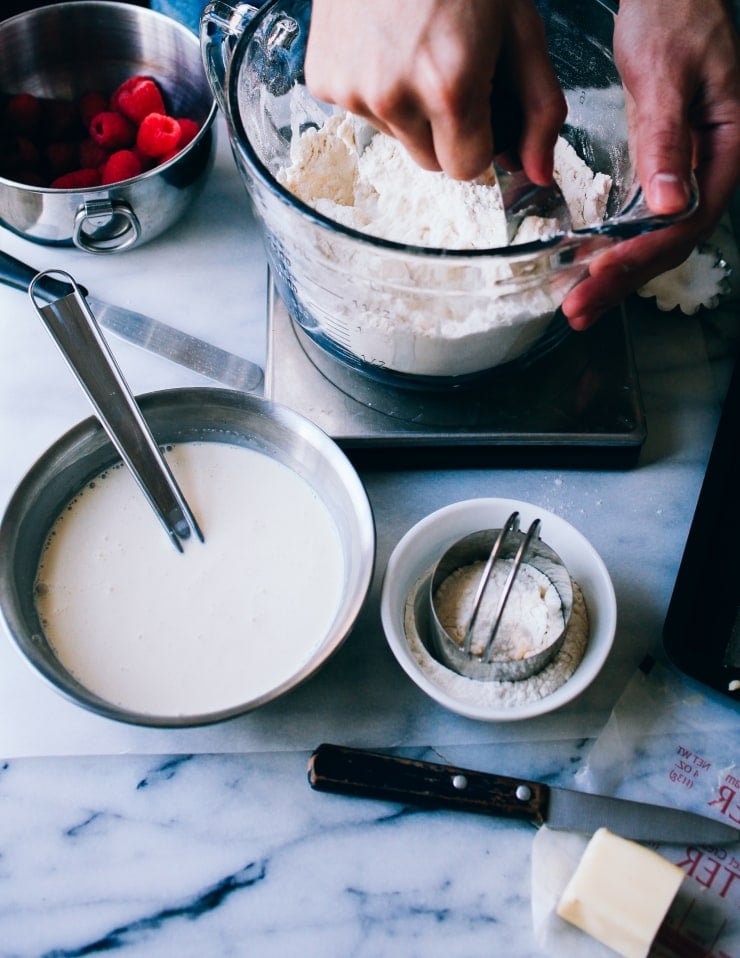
(209, 842)
(235, 855)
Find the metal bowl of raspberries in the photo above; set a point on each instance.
(106, 133)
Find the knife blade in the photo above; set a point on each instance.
(147, 333)
(336, 768)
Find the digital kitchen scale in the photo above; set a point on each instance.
(578, 405)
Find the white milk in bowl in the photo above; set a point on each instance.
(165, 634)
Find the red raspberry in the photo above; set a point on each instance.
(121, 165)
(22, 113)
(90, 105)
(158, 135)
(188, 131)
(112, 131)
(92, 155)
(137, 97)
(147, 162)
(76, 180)
(62, 157)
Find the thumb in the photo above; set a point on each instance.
(662, 144)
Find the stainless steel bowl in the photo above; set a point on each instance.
(65, 50)
(181, 415)
(341, 285)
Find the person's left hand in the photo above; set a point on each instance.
(679, 62)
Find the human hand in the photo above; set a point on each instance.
(680, 64)
(428, 72)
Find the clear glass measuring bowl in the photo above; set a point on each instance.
(402, 314)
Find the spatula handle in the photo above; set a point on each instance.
(20, 276)
(335, 768)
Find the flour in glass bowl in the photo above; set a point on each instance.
(497, 694)
(427, 316)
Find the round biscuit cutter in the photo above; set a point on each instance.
(491, 546)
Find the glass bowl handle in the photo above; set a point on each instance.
(221, 25)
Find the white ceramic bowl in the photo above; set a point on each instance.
(421, 547)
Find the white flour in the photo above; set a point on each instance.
(381, 191)
(532, 618)
(502, 694)
(432, 316)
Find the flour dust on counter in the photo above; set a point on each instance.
(164, 634)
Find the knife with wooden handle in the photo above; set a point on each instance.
(150, 334)
(335, 768)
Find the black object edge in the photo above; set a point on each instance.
(706, 596)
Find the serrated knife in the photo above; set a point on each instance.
(335, 768)
(150, 334)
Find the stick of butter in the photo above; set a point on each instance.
(620, 893)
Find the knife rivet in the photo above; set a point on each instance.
(459, 781)
(523, 793)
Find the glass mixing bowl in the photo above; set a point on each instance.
(410, 315)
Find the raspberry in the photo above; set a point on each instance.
(147, 162)
(62, 157)
(121, 165)
(158, 135)
(76, 180)
(22, 113)
(137, 97)
(92, 154)
(112, 131)
(168, 156)
(188, 131)
(76, 145)
(90, 105)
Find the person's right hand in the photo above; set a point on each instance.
(428, 73)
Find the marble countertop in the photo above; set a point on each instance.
(209, 842)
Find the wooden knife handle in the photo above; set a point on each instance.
(335, 768)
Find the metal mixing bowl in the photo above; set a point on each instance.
(341, 286)
(66, 50)
(181, 415)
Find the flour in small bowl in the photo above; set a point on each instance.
(495, 694)
(532, 618)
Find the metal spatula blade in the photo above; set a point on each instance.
(522, 198)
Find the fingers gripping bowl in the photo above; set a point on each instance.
(406, 314)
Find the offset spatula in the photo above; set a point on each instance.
(150, 334)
